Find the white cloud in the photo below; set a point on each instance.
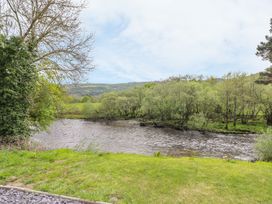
(160, 38)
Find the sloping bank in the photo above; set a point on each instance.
(125, 178)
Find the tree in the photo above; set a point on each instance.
(184, 98)
(265, 77)
(264, 50)
(47, 102)
(17, 84)
(267, 104)
(225, 94)
(208, 101)
(86, 99)
(109, 106)
(156, 102)
(51, 28)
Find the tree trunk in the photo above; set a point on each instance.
(269, 119)
(227, 113)
(268, 115)
(234, 112)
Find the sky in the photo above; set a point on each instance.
(147, 40)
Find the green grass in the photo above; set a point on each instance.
(78, 110)
(217, 127)
(257, 127)
(138, 179)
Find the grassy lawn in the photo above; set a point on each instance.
(138, 179)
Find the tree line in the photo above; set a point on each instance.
(235, 98)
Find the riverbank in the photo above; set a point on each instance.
(77, 111)
(213, 127)
(125, 178)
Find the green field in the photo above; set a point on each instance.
(98, 89)
(125, 178)
(78, 110)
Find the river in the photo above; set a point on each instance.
(130, 137)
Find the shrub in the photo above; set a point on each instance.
(88, 110)
(198, 120)
(264, 146)
(17, 82)
(157, 154)
(47, 103)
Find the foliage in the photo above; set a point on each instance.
(198, 121)
(80, 110)
(264, 146)
(17, 83)
(86, 99)
(233, 102)
(267, 104)
(47, 102)
(138, 179)
(53, 29)
(264, 50)
(265, 77)
(91, 110)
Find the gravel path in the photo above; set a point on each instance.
(10, 195)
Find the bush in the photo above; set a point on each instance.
(47, 103)
(198, 121)
(264, 146)
(90, 111)
(17, 82)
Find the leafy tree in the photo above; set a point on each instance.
(17, 83)
(86, 99)
(267, 104)
(185, 95)
(109, 106)
(53, 29)
(264, 50)
(50, 29)
(225, 94)
(208, 106)
(92, 110)
(156, 103)
(47, 102)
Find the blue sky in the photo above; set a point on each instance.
(145, 40)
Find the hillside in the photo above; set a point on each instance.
(97, 89)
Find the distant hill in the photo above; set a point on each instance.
(97, 89)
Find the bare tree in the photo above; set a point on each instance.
(52, 30)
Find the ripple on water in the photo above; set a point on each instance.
(129, 137)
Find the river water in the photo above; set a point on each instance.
(129, 137)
